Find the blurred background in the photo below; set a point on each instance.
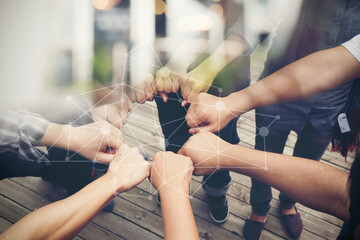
(51, 49)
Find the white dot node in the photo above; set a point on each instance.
(217, 152)
(266, 168)
(217, 167)
(68, 98)
(122, 100)
(191, 196)
(39, 160)
(220, 106)
(67, 159)
(264, 131)
(150, 197)
(105, 130)
(85, 112)
(165, 72)
(180, 100)
(277, 117)
(220, 90)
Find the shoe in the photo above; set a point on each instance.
(253, 229)
(218, 208)
(292, 224)
(110, 206)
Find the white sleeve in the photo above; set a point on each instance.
(353, 46)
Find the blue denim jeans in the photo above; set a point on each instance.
(176, 133)
(310, 144)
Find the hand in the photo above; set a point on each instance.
(128, 169)
(205, 149)
(171, 171)
(115, 113)
(195, 82)
(209, 113)
(167, 81)
(143, 89)
(95, 141)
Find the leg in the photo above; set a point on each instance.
(176, 133)
(261, 196)
(311, 145)
(12, 166)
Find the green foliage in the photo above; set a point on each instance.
(102, 64)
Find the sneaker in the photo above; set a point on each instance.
(292, 224)
(218, 208)
(253, 229)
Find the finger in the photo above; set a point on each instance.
(164, 96)
(114, 142)
(140, 96)
(184, 103)
(105, 157)
(167, 84)
(159, 82)
(175, 84)
(129, 103)
(131, 95)
(182, 151)
(209, 128)
(115, 120)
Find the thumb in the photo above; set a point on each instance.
(164, 96)
(104, 157)
(203, 127)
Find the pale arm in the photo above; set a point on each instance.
(65, 218)
(318, 72)
(179, 222)
(311, 183)
(314, 184)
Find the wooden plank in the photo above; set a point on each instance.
(32, 201)
(113, 225)
(232, 225)
(329, 230)
(4, 224)
(239, 209)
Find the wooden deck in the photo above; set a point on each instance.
(135, 216)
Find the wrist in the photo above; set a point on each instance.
(174, 190)
(238, 103)
(113, 184)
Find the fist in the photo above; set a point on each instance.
(171, 171)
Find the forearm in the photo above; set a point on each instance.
(311, 183)
(232, 47)
(59, 136)
(310, 75)
(179, 222)
(65, 218)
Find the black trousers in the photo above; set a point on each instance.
(72, 175)
(176, 133)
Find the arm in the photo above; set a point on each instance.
(22, 131)
(318, 72)
(65, 218)
(171, 175)
(92, 141)
(314, 184)
(310, 75)
(200, 78)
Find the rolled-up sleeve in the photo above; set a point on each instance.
(21, 131)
